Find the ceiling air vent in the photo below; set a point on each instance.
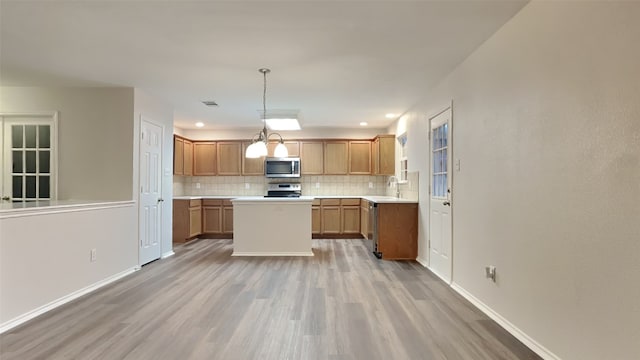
(210, 103)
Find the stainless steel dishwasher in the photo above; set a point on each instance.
(372, 231)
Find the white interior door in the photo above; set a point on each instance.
(150, 191)
(440, 244)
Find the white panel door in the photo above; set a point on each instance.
(150, 191)
(440, 244)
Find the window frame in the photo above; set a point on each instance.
(28, 118)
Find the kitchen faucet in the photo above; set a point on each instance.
(393, 181)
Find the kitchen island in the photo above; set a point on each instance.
(272, 226)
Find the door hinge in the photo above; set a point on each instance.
(143, 135)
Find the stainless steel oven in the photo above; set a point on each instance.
(288, 167)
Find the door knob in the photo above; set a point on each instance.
(6, 198)
(160, 200)
(446, 203)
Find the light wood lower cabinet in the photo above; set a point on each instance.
(350, 209)
(192, 218)
(227, 217)
(212, 216)
(331, 216)
(187, 219)
(364, 218)
(339, 216)
(316, 218)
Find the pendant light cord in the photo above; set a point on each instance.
(264, 103)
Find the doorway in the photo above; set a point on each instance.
(440, 199)
(150, 198)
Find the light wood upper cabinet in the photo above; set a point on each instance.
(384, 160)
(336, 157)
(178, 156)
(360, 157)
(188, 158)
(229, 158)
(204, 158)
(251, 166)
(293, 147)
(311, 157)
(182, 156)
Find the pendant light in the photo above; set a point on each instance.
(258, 147)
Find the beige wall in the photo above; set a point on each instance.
(546, 125)
(95, 137)
(44, 256)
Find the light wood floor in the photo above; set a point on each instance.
(203, 304)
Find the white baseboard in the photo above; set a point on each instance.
(422, 261)
(167, 254)
(304, 253)
(63, 300)
(512, 329)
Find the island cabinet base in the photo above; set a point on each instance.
(398, 231)
(272, 227)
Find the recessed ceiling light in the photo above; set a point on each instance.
(390, 116)
(283, 124)
(199, 124)
(364, 123)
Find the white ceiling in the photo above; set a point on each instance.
(338, 62)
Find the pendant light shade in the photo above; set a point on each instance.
(281, 150)
(258, 145)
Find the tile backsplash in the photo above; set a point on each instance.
(326, 185)
(408, 190)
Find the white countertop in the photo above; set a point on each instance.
(372, 198)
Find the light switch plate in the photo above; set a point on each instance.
(247, 186)
(197, 185)
(370, 185)
(457, 164)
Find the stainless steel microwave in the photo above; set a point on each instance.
(288, 167)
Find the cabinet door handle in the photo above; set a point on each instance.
(446, 203)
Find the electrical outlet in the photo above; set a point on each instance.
(370, 185)
(457, 164)
(317, 185)
(490, 272)
(197, 185)
(93, 255)
(247, 186)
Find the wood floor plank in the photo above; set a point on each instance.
(202, 303)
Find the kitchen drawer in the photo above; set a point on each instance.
(194, 203)
(315, 202)
(330, 202)
(227, 202)
(211, 202)
(351, 202)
